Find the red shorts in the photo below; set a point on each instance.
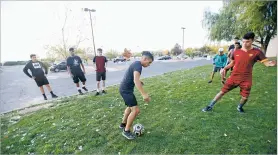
(245, 86)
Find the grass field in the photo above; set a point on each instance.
(174, 123)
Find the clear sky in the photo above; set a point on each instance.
(27, 27)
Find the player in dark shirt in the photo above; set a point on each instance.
(100, 62)
(131, 79)
(73, 65)
(242, 61)
(38, 74)
(233, 45)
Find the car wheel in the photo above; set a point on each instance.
(57, 70)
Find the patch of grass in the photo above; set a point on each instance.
(174, 123)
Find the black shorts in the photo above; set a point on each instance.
(101, 75)
(217, 69)
(41, 81)
(78, 77)
(129, 98)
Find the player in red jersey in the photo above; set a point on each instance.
(242, 60)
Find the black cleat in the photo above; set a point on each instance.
(97, 94)
(210, 81)
(122, 126)
(103, 92)
(128, 135)
(240, 109)
(80, 92)
(208, 108)
(54, 96)
(85, 89)
(45, 98)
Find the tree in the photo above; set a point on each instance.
(165, 52)
(111, 54)
(205, 49)
(189, 52)
(176, 50)
(60, 51)
(126, 54)
(238, 17)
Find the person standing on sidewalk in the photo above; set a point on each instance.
(75, 71)
(38, 74)
(100, 62)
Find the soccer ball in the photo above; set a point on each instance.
(138, 129)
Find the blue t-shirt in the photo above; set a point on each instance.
(220, 60)
(127, 84)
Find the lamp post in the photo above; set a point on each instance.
(182, 37)
(91, 10)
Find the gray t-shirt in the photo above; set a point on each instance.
(127, 84)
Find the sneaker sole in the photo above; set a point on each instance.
(206, 110)
(240, 111)
(127, 137)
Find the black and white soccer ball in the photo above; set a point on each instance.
(138, 129)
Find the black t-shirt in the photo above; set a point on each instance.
(37, 68)
(127, 84)
(74, 63)
(231, 47)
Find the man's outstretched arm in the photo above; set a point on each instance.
(268, 63)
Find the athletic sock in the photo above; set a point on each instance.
(97, 90)
(126, 131)
(78, 88)
(212, 103)
(44, 95)
(241, 105)
(51, 93)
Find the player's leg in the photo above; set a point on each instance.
(131, 117)
(245, 89)
(228, 86)
(40, 84)
(103, 82)
(46, 83)
(98, 77)
(126, 114)
(212, 74)
(83, 80)
(43, 93)
(76, 81)
(131, 102)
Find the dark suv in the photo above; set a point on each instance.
(166, 57)
(119, 60)
(60, 66)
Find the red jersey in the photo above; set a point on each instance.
(243, 63)
(100, 63)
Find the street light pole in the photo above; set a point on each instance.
(92, 10)
(182, 37)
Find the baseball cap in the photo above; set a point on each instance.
(220, 50)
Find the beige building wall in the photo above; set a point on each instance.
(272, 48)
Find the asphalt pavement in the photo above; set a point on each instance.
(19, 91)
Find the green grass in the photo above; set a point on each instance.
(174, 123)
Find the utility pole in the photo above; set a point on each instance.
(91, 10)
(182, 37)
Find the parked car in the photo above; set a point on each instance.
(182, 56)
(166, 57)
(119, 60)
(58, 67)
